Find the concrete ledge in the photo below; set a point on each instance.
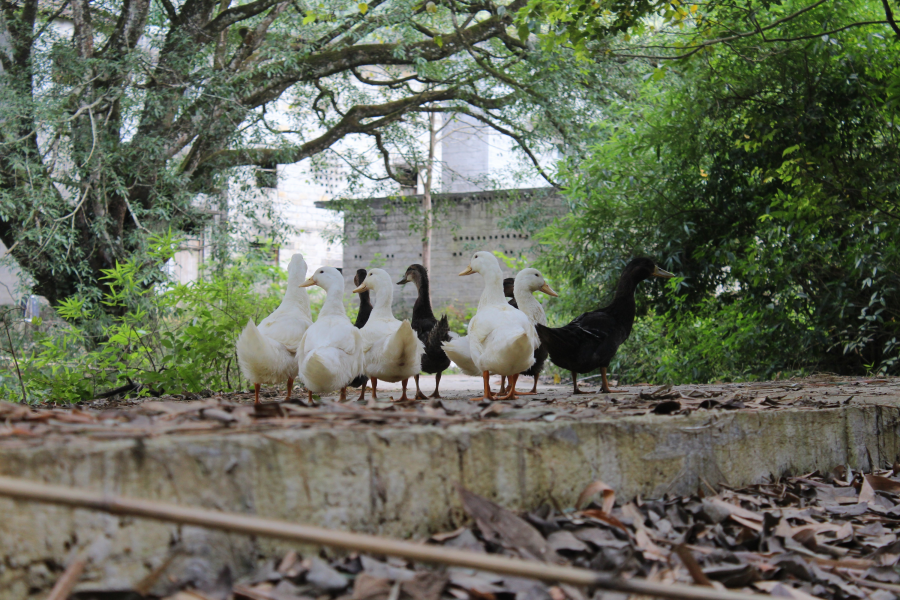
(394, 481)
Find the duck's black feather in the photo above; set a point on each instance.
(428, 329)
(365, 309)
(591, 340)
(509, 291)
(434, 360)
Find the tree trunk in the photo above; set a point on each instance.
(426, 196)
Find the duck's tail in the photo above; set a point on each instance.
(323, 370)
(403, 347)
(549, 336)
(262, 359)
(439, 334)
(458, 351)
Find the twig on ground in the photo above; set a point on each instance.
(75, 497)
(67, 581)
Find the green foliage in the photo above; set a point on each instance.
(166, 339)
(767, 177)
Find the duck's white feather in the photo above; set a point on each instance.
(457, 350)
(262, 359)
(501, 338)
(266, 354)
(330, 355)
(393, 352)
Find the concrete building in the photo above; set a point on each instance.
(464, 223)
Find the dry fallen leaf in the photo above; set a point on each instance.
(506, 527)
(608, 495)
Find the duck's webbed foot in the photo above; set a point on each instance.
(502, 389)
(374, 386)
(290, 386)
(403, 397)
(487, 388)
(362, 392)
(575, 384)
(419, 394)
(512, 394)
(605, 389)
(437, 384)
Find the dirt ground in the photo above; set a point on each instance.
(232, 412)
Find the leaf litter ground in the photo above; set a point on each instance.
(819, 535)
(22, 425)
(825, 535)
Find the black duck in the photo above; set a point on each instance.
(365, 309)
(431, 331)
(591, 340)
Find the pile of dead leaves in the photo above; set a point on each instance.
(832, 535)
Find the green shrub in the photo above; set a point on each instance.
(166, 338)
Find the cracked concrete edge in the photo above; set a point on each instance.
(399, 482)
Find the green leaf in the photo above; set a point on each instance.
(363, 7)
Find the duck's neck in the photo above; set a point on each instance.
(529, 305)
(622, 305)
(298, 297)
(334, 300)
(365, 308)
(383, 300)
(493, 289)
(422, 307)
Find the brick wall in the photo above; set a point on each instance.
(464, 223)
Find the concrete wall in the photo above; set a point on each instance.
(464, 223)
(298, 193)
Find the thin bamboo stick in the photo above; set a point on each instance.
(232, 522)
(67, 581)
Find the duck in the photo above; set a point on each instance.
(431, 331)
(501, 339)
(526, 283)
(267, 353)
(591, 340)
(392, 350)
(509, 290)
(330, 355)
(365, 309)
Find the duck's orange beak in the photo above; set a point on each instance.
(468, 271)
(362, 288)
(308, 282)
(547, 290)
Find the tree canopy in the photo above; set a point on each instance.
(126, 118)
(766, 172)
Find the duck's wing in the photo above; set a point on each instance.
(423, 327)
(572, 346)
(435, 359)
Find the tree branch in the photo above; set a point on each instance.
(351, 123)
(731, 38)
(236, 14)
(890, 17)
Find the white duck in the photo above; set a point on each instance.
(330, 355)
(501, 339)
(393, 351)
(267, 354)
(527, 282)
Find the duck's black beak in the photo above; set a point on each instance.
(657, 272)
(403, 281)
